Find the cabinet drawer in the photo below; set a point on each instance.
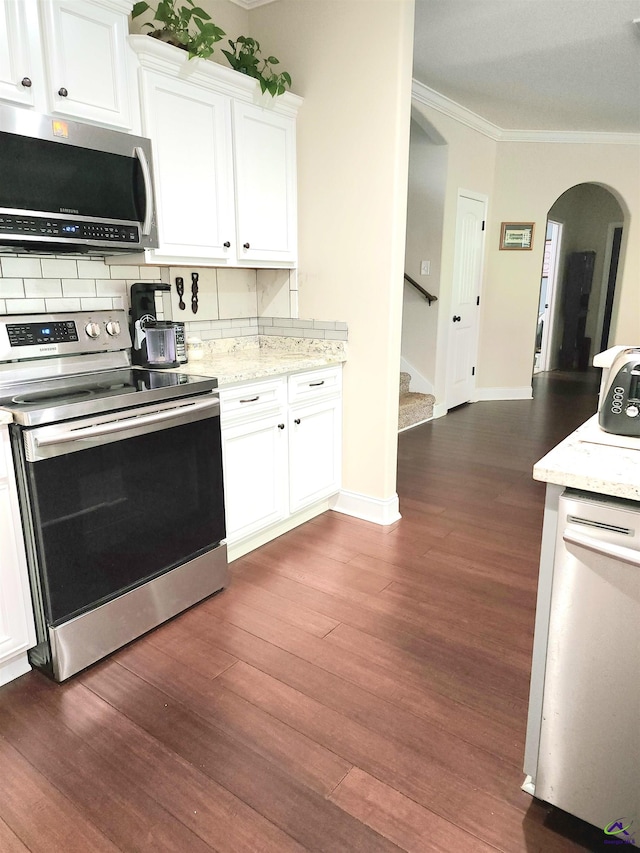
(251, 400)
(315, 384)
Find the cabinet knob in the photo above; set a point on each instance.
(227, 244)
(280, 426)
(26, 82)
(246, 245)
(296, 421)
(457, 318)
(62, 92)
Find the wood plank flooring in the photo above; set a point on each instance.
(356, 688)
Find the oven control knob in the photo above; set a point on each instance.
(113, 328)
(632, 411)
(92, 330)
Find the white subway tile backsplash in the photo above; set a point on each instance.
(3, 306)
(55, 268)
(119, 303)
(94, 269)
(36, 287)
(124, 272)
(96, 304)
(12, 288)
(25, 306)
(75, 287)
(21, 267)
(114, 287)
(58, 305)
(148, 273)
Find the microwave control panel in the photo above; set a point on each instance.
(50, 228)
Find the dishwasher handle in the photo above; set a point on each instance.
(605, 549)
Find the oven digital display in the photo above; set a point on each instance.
(32, 334)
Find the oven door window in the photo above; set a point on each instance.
(111, 517)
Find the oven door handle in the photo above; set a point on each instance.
(183, 414)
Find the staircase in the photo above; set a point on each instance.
(415, 408)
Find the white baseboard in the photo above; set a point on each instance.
(528, 786)
(524, 392)
(439, 410)
(14, 668)
(417, 423)
(378, 511)
(419, 382)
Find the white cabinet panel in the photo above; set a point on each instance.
(85, 45)
(15, 59)
(255, 476)
(265, 168)
(190, 130)
(315, 452)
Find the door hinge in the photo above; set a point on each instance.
(473, 371)
(477, 300)
(483, 224)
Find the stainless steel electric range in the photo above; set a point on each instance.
(119, 473)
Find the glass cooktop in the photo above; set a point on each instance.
(51, 400)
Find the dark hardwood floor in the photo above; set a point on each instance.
(357, 688)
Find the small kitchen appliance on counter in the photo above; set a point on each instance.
(111, 551)
(619, 407)
(154, 341)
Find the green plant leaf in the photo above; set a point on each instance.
(273, 61)
(286, 77)
(200, 13)
(139, 8)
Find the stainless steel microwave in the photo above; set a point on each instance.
(72, 187)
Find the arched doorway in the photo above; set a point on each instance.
(580, 305)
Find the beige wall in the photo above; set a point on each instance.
(529, 179)
(353, 143)
(425, 214)
(523, 180)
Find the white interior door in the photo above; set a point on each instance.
(465, 299)
(548, 290)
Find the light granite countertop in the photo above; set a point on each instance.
(249, 363)
(594, 461)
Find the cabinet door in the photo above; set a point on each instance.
(255, 476)
(15, 61)
(190, 130)
(265, 169)
(85, 53)
(315, 452)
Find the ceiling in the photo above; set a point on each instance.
(545, 65)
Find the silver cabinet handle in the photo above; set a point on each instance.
(148, 189)
(250, 399)
(313, 384)
(606, 549)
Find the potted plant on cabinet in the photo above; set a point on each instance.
(186, 26)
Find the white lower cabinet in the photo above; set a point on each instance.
(282, 453)
(17, 632)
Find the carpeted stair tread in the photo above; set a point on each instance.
(414, 408)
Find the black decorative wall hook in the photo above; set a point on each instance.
(194, 292)
(180, 290)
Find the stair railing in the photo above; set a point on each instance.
(428, 296)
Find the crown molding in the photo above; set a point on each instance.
(429, 97)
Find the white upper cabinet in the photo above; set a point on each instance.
(16, 66)
(265, 173)
(85, 50)
(224, 161)
(68, 58)
(190, 130)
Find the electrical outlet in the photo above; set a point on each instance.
(425, 268)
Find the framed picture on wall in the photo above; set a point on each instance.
(516, 236)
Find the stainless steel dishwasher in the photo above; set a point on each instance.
(589, 756)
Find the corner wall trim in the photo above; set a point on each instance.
(524, 392)
(378, 511)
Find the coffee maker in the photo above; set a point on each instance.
(154, 341)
